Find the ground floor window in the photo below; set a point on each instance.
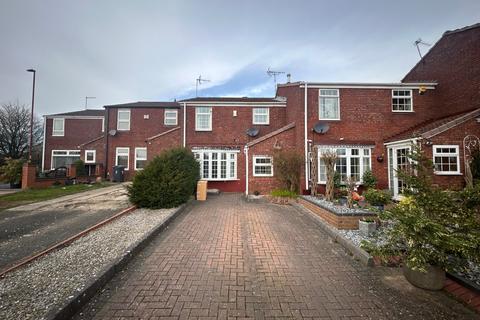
(217, 165)
(446, 159)
(90, 156)
(351, 162)
(63, 158)
(122, 157)
(262, 166)
(140, 158)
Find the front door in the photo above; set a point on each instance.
(399, 161)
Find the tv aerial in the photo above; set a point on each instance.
(198, 82)
(274, 74)
(86, 101)
(417, 44)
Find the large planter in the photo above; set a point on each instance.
(433, 279)
(367, 228)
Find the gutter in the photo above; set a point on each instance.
(44, 137)
(305, 110)
(245, 150)
(184, 124)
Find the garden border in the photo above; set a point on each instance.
(356, 252)
(72, 306)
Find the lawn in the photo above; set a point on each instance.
(36, 195)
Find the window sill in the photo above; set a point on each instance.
(323, 119)
(448, 173)
(260, 124)
(402, 111)
(262, 176)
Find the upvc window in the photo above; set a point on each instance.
(262, 166)
(58, 129)
(90, 156)
(63, 158)
(140, 158)
(170, 118)
(203, 119)
(351, 162)
(261, 115)
(402, 101)
(123, 120)
(122, 157)
(217, 165)
(329, 104)
(446, 159)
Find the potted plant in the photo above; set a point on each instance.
(431, 229)
(369, 181)
(377, 198)
(367, 226)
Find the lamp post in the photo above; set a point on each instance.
(30, 145)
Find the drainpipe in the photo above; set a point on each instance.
(106, 127)
(44, 137)
(184, 124)
(305, 109)
(245, 150)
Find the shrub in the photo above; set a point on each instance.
(430, 226)
(287, 166)
(369, 180)
(377, 197)
(284, 193)
(11, 171)
(167, 181)
(80, 168)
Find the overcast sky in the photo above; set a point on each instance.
(122, 51)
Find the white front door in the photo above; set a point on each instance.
(398, 157)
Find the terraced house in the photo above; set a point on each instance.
(372, 126)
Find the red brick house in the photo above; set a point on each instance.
(370, 125)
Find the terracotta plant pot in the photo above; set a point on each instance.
(433, 279)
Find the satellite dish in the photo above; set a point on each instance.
(253, 132)
(321, 128)
(112, 132)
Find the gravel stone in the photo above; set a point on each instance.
(47, 283)
(340, 210)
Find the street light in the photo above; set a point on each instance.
(31, 117)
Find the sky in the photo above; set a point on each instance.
(124, 51)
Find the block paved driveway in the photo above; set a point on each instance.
(228, 258)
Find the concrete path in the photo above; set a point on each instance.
(31, 228)
(228, 258)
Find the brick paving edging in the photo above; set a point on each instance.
(356, 252)
(80, 299)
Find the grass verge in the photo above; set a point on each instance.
(37, 195)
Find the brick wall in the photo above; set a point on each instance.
(454, 62)
(77, 131)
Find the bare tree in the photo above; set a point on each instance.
(15, 131)
(329, 158)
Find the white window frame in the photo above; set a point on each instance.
(67, 154)
(320, 96)
(58, 133)
(123, 153)
(441, 154)
(404, 97)
(123, 121)
(231, 163)
(197, 113)
(255, 165)
(267, 114)
(348, 155)
(94, 156)
(136, 158)
(175, 117)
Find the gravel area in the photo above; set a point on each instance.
(355, 236)
(46, 284)
(340, 210)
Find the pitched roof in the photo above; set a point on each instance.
(271, 134)
(161, 134)
(81, 113)
(473, 26)
(432, 128)
(146, 104)
(237, 99)
(91, 141)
